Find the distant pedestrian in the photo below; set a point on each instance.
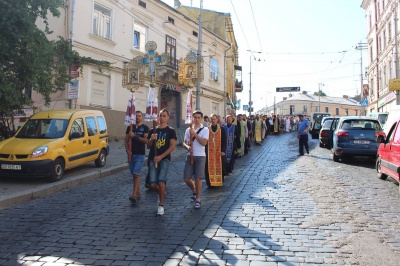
(195, 141)
(304, 127)
(137, 138)
(163, 140)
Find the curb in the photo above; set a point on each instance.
(48, 189)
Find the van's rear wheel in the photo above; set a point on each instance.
(102, 159)
(57, 170)
(379, 173)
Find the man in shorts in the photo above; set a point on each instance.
(161, 142)
(195, 141)
(138, 140)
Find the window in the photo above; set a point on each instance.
(213, 69)
(371, 54)
(371, 87)
(170, 48)
(102, 22)
(384, 74)
(195, 33)
(305, 108)
(142, 4)
(356, 112)
(389, 30)
(215, 108)
(326, 109)
(171, 20)
(77, 126)
(337, 111)
(28, 92)
(316, 109)
(91, 126)
(291, 109)
(384, 39)
(102, 124)
(346, 111)
(139, 37)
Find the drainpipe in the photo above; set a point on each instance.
(230, 46)
(377, 54)
(71, 32)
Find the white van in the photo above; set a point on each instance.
(381, 116)
(392, 117)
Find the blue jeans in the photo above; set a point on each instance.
(136, 164)
(159, 174)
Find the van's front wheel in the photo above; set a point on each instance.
(57, 170)
(101, 160)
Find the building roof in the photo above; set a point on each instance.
(323, 99)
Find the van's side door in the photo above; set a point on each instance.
(93, 138)
(77, 144)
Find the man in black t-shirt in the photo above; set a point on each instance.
(138, 139)
(163, 139)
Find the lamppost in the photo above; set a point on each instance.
(250, 103)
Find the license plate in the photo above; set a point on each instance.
(11, 167)
(361, 141)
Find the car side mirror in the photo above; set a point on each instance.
(75, 135)
(380, 139)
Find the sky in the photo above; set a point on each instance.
(309, 44)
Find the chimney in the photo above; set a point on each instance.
(177, 4)
(345, 96)
(284, 98)
(304, 92)
(290, 95)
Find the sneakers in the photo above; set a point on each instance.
(160, 210)
(197, 204)
(193, 197)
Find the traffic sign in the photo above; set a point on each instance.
(364, 103)
(245, 107)
(394, 84)
(287, 89)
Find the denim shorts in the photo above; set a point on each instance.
(197, 169)
(159, 174)
(136, 164)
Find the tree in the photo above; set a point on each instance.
(29, 60)
(319, 93)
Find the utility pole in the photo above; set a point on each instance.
(199, 58)
(361, 47)
(319, 96)
(250, 102)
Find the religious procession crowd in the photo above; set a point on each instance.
(213, 145)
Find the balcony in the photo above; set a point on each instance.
(238, 86)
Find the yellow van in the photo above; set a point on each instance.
(53, 141)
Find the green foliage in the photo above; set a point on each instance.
(29, 60)
(320, 93)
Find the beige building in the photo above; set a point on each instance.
(117, 31)
(381, 63)
(307, 104)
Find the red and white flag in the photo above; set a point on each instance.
(188, 118)
(152, 105)
(130, 115)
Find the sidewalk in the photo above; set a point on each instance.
(17, 191)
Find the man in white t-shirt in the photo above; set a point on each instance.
(195, 141)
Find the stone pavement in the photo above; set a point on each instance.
(16, 191)
(276, 209)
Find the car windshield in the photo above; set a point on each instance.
(358, 124)
(43, 129)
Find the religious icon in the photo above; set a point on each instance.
(133, 77)
(190, 73)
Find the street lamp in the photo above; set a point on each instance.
(250, 103)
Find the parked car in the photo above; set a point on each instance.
(316, 123)
(356, 135)
(326, 132)
(52, 141)
(388, 159)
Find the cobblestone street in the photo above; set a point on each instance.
(276, 209)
